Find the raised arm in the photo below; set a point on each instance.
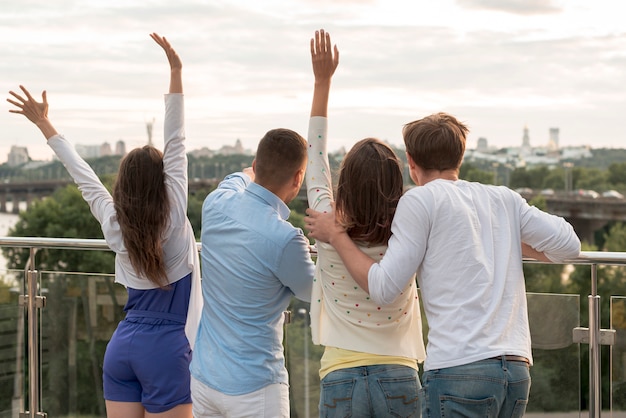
(34, 111)
(176, 65)
(94, 193)
(324, 65)
(318, 178)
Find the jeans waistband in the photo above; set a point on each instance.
(509, 357)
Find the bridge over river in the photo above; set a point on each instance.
(12, 193)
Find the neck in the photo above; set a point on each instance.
(282, 192)
(431, 175)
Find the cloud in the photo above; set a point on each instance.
(520, 7)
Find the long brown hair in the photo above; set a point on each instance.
(370, 185)
(142, 208)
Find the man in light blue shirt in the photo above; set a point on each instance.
(253, 262)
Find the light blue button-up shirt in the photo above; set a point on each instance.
(253, 262)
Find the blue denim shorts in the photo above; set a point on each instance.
(386, 390)
(488, 388)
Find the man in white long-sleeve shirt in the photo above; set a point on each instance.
(466, 242)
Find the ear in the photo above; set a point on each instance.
(414, 173)
(254, 166)
(410, 160)
(298, 178)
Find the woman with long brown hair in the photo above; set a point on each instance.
(146, 363)
(370, 361)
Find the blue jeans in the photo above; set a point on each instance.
(484, 389)
(385, 390)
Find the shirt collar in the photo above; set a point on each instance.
(271, 199)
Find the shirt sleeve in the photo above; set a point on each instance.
(93, 191)
(549, 234)
(235, 182)
(388, 278)
(296, 268)
(174, 153)
(318, 178)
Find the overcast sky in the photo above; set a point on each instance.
(498, 65)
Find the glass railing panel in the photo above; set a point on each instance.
(618, 354)
(81, 313)
(303, 362)
(13, 350)
(556, 371)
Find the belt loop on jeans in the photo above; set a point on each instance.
(509, 357)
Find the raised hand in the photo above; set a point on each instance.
(36, 112)
(176, 65)
(28, 106)
(322, 57)
(172, 56)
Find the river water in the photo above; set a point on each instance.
(7, 221)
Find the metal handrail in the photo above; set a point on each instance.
(585, 257)
(592, 258)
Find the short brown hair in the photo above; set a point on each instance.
(436, 142)
(280, 154)
(370, 185)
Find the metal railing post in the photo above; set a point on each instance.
(595, 382)
(33, 302)
(596, 338)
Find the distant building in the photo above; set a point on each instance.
(88, 151)
(576, 153)
(550, 154)
(17, 156)
(120, 148)
(202, 152)
(526, 149)
(149, 126)
(105, 150)
(102, 150)
(553, 142)
(482, 144)
(236, 149)
(232, 150)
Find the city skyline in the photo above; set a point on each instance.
(497, 65)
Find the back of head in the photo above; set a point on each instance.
(370, 185)
(142, 209)
(436, 142)
(280, 154)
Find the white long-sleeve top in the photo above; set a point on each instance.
(342, 314)
(464, 241)
(179, 245)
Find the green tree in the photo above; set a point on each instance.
(470, 172)
(617, 176)
(533, 178)
(63, 215)
(555, 179)
(591, 178)
(194, 209)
